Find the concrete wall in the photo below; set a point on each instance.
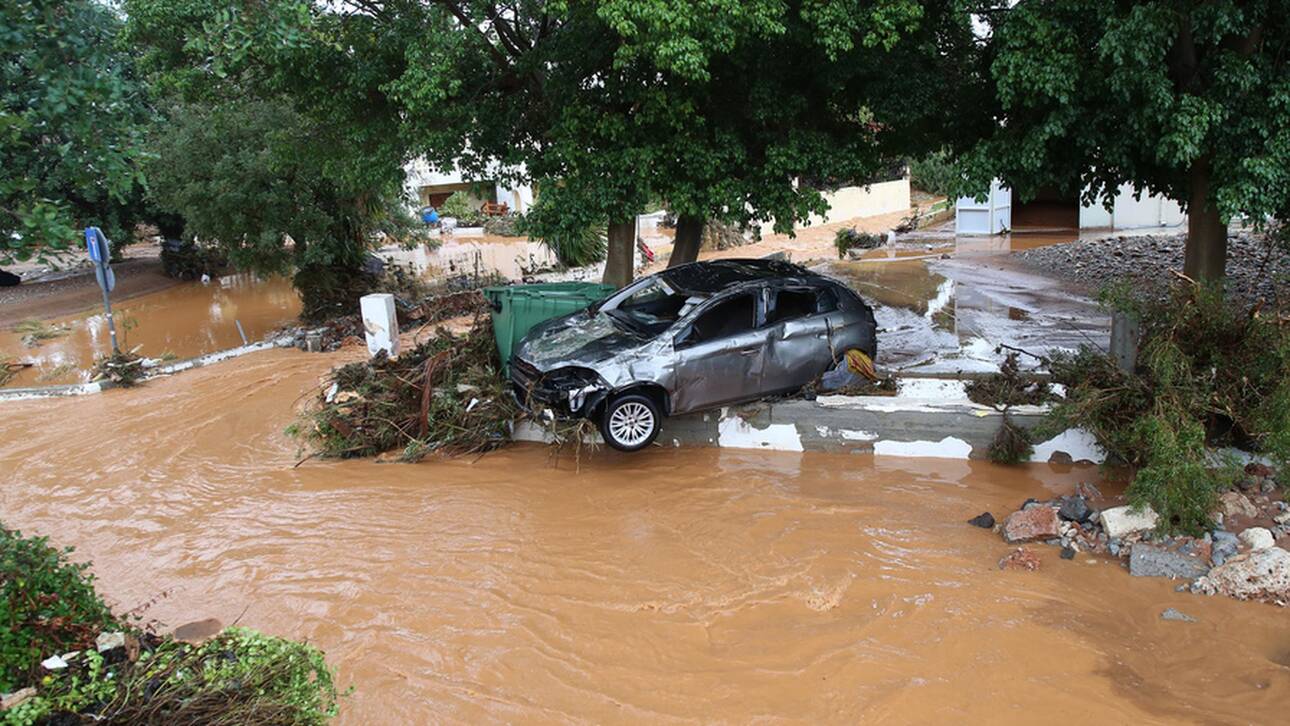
(934, 426)
(858, 202)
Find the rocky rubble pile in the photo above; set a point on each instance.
(1256, 267)
(1244, 556)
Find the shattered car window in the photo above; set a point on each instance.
(653, 308)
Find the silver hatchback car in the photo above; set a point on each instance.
(691, 337)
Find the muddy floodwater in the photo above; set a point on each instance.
(674, 585)
(183, 321)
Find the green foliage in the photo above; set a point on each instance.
(237, 677)
(1184, 98)
(1208, 374)
(461, 207)
(1012, 444)
(570, 231)
(506, 225)
(47, 606)
(71, 120)
(937, 173)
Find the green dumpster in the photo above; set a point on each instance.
(516, 308)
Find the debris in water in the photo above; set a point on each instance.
(125, 369)
(1178, 615)
(1020, 559)
(35, 332)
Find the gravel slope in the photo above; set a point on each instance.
(1255, 268)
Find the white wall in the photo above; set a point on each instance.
(1152, 210)
(857, 202)
(419, 174)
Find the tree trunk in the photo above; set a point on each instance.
(621, 253)
(689, 236)
(1206, 257)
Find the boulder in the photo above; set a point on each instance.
(1031, 524)
(1233, 504)
(1148, 560)
(1074, 509)
(1257, 575)
(1121, 521)
(1257, 538)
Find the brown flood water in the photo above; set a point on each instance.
(183, 321)
(668, 586)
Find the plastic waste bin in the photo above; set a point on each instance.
(517, 308)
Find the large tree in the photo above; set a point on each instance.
(1186, 98)
(71, 123)
(276, 144)
(719, 108)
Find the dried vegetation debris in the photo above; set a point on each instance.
(446, 394)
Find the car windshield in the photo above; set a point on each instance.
(651, 309)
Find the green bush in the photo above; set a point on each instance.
(466, 212)
(935, 173)
(1209, 374)
(849, 238)
(49, 606)
(506, 225)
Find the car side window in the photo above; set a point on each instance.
(791, 304)
(726, 318)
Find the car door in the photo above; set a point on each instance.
(799, 331)
(719, 353)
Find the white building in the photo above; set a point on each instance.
(1050, 210)
(429, 187)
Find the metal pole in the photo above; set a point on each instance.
(107, 307)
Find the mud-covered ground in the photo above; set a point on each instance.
(1256, 268)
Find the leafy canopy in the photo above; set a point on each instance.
(71, 124)
(1093, 94)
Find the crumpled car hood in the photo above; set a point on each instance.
(576, 339)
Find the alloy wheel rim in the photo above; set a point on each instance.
(631, 423)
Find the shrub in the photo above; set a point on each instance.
(1209, 374)
(237, 677)
(465, 211)
(849, 238)
(49, 606)
(506, 225)
(935, 173)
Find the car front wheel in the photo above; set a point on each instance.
(630, 422)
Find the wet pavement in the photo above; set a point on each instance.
(669, 586)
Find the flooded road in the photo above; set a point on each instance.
(676, 586)
(183, 321)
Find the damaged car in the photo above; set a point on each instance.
(692, 337)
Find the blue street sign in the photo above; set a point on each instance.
(97, 245)
(101, 255)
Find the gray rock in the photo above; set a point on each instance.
(1120, 521)
(984, 520)
(1257, 538)
(109, 641)
(1074, 509)
(1172, 614)
(1147, 560)
(1068, 553)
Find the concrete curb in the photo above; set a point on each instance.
(164, 369)
(886, 426)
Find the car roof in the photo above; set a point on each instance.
(713, 276)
